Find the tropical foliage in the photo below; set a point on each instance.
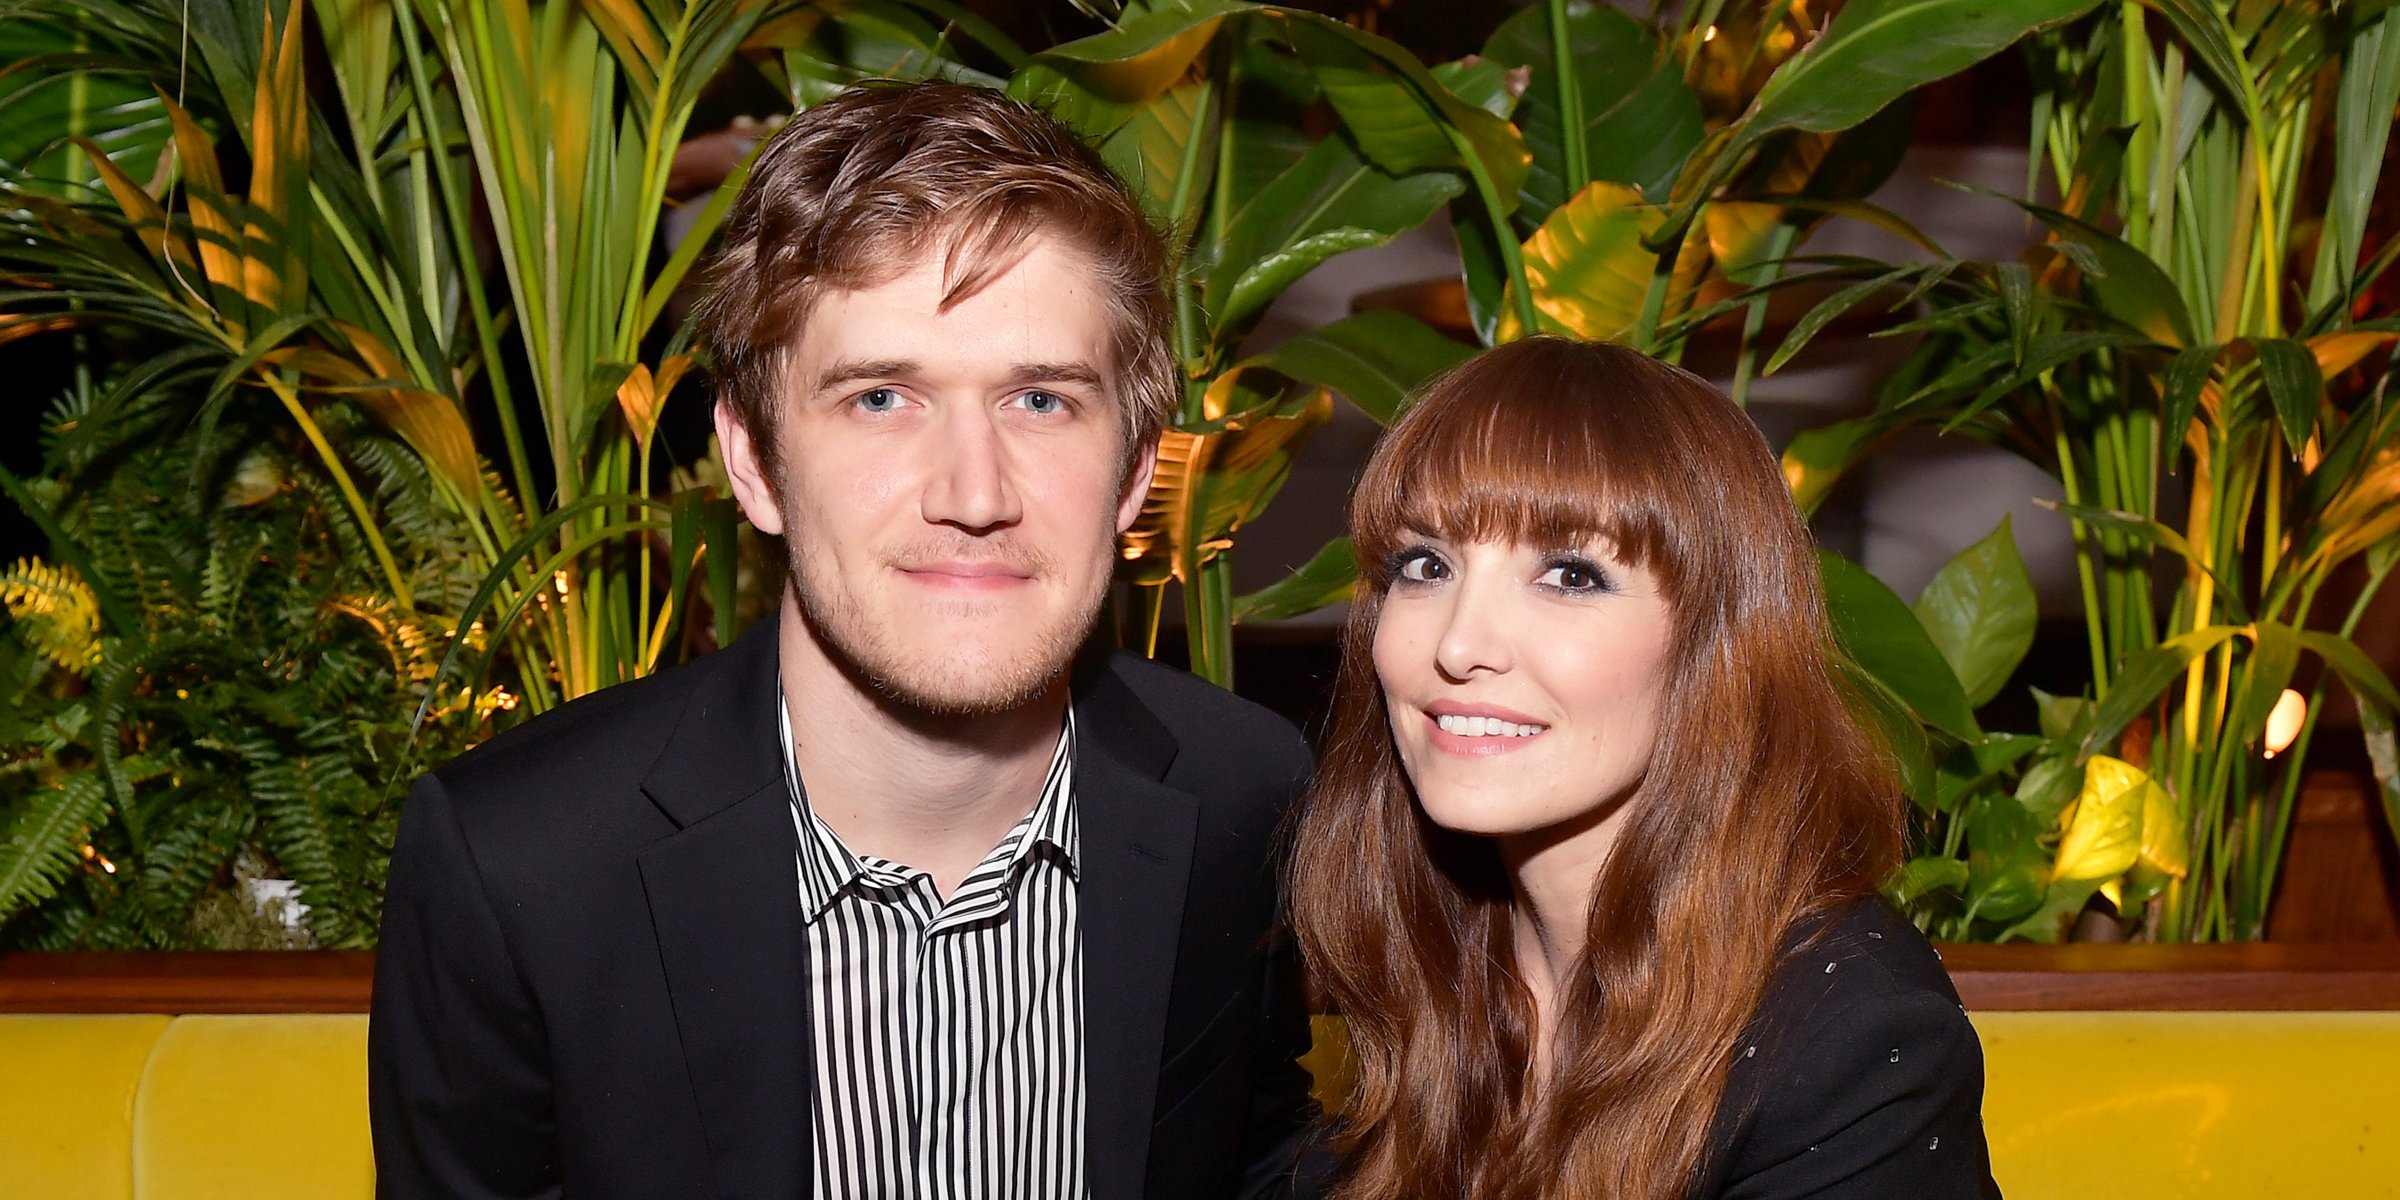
(215, 678)
(2195, 353)
(328, 252)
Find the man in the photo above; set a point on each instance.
(893, 897)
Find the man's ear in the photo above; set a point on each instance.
(1137, 485)
(751, 486)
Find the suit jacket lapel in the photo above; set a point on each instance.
(1134, 866)
(724, 907)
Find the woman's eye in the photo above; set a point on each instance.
(878, 400)
(1421, 566)
(1043, 403)
(1575, 575)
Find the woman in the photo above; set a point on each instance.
(1591, 863)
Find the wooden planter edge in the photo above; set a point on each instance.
(2017, 978)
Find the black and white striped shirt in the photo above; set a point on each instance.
(948, 1034)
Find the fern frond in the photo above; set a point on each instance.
(302, 801)
(46, 840)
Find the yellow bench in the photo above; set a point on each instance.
(2157, 1105)
(2171, 1105)
(184, 1108)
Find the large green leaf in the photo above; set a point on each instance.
(1979, 610)
(1096, 84)
(1375, 359)
(1147, 151)
(1875, 51)
(1884, 638)
(1902, 732)
(2048, 786)
(1640, 120)
(2006, 869)
(1401, 116)
(1328, 577)
(1330, 201)
(1923, 876)
(2294, 387)
(2124, 282)
(1872, 53)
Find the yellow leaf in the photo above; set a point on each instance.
(58, 610)
(272, 269)
(1208, 484)
(211, 209)
(149, 220)
(2104, 825)
(637, 397)
(2338, 352)
(430, 422)
(2164, 847)
(1588, 267)
(1136, 78)
(634, 39)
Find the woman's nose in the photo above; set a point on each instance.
(1475, 635)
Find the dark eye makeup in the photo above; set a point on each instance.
(1419, 563)
(1569, 571)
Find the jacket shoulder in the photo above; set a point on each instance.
(611, 734)
(1861, 1074)
(1211, 723)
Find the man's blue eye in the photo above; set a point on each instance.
(1044, 402)
(879, 400)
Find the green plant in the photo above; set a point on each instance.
(316, 251)
(2193, 353)
(217, 684)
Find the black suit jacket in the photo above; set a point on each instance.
(592, 973)
(1867, 1080)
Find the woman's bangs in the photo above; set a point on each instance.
(1525, 469)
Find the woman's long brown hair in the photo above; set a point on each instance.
(1764, 801)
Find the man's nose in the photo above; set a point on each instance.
(970, 485)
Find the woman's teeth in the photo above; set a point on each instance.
(1485, 727)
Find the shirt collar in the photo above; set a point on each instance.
(828, 868)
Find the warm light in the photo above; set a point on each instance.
(561, 581)
(2283, 724)
(1709, 34)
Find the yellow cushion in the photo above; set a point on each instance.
(2166, 1105)
(243, 1107)
(2161, 1105)
(66, 1103)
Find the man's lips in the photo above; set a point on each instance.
(978, 574)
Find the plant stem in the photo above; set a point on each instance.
(1570, 100)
